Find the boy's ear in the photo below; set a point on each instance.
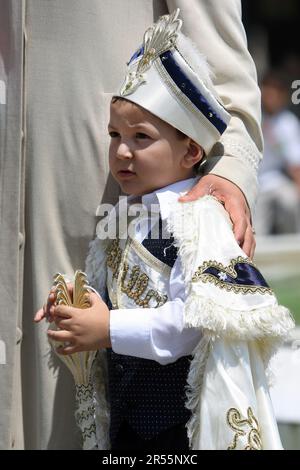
(193, 155)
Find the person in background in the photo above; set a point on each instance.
(278, 205)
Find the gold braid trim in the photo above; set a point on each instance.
(138, 281)
(200, 275)
(114, 255)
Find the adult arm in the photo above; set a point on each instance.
(231, 168)
(217, 30)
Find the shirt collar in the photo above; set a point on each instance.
(167, 195)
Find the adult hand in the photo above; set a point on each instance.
(234, 202)
(83, 330)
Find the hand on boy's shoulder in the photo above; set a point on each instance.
(235, 204)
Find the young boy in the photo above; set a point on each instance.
(188, 322)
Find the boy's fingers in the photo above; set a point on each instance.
(51, 298)
(63, 324)
(60, 335)
(63, 311)
(65, 351)
(48, 306)
(39, 315)
(94, 298)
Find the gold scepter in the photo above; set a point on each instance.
(79, 363)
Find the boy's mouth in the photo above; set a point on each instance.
(125, 173)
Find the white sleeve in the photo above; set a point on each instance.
(155, 333)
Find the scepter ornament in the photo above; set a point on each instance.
(79, 363)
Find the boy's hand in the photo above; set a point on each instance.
(234, 202)
(84, 330)
(48, 308)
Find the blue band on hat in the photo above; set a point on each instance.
(138, 53)
(191, 91)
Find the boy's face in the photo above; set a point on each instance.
(145, 152)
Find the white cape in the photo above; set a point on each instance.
(242, 326)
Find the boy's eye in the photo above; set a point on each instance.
(141, 135)
(113, 134)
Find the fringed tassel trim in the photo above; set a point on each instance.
(273, 321)
(194, 389)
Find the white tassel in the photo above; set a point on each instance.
(95, 265)
(273, 321)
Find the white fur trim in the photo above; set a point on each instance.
(196, 60)
(271, 321)
(95, 265)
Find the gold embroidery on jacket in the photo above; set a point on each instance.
(137, 285)
(200, 275)
(137, 282)
(248, 427)
(114, 255)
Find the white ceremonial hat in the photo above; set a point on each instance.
(169, 77)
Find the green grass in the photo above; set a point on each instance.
(288, 294)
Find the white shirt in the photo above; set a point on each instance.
(157, 333)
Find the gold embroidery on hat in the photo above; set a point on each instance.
(248, 427)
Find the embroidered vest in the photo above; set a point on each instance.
(149, 396)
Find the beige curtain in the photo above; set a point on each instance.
(11, 219)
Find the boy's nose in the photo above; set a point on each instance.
(124, 151)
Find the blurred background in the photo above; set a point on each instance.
(272, 28)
